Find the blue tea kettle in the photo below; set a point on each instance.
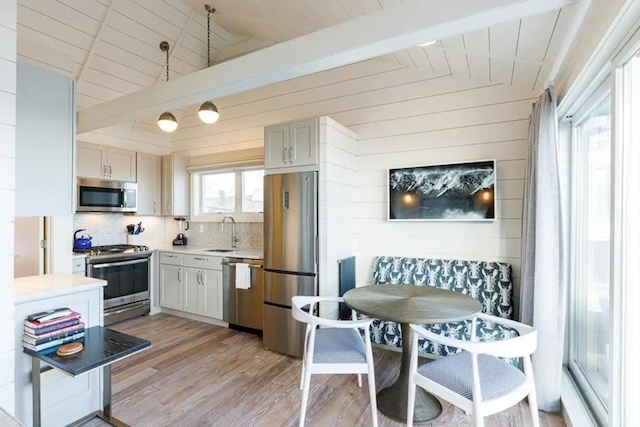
(81, 242)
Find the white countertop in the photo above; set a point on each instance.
(34, 288)
(202, 250)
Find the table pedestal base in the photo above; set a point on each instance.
(392, 401)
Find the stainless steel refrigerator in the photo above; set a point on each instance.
(290, 255)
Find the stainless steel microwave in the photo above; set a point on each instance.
(95, 195)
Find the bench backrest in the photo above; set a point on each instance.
(488, 282)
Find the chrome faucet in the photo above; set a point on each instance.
(234, 237)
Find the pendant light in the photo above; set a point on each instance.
(208, 112)
(167, 121)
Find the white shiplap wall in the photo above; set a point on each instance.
(8, 17)
(401, 117)
(488, 123)
(337, 195)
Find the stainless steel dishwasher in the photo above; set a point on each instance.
(243, 307)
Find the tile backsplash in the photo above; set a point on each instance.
(250, 234)
(111, 229)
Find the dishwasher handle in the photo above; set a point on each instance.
(233, 264)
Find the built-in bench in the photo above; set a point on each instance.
(488, 282)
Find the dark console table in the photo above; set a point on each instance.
(102, 347)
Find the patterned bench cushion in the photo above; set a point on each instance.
(488, 282)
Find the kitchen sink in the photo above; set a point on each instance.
(219, 250)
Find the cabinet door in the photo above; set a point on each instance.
(276, 143)
(211, 294)
(149, 188)
(171, 277)
(303, 143)
(167, 185)
(191, 290)
(44, 134)
(175, 186)
(121, 165)
(91, 161)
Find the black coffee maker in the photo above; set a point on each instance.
(181, 225)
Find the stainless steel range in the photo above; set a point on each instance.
(126, 268)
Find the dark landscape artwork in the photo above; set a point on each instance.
(460, 191)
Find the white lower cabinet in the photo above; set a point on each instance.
(203, 292)
(170, 286)
(191, 289)
(211, 291)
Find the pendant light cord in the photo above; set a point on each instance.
(208, 38)
(167, 64)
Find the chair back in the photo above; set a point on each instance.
(298, 303)
(522, 345)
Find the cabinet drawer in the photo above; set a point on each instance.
(79, 266)
(171, 258)
(203, 261)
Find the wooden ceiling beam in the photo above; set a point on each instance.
(96, 40)
(380, 33)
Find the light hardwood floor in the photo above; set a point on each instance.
(197, 374)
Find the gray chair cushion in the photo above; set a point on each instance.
(336, 345)
(497, 378)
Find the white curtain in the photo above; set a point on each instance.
(542, 291)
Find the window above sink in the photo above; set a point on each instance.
(216, 193)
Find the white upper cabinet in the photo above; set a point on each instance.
(45, 132)
(291, 144)
(175, 186)
(121, 164)
(91, 161)
(100, 162)
(276, 144)
(303, 143)
(149, 171)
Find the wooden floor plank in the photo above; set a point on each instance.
(196, 374)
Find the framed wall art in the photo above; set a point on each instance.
(446, 192)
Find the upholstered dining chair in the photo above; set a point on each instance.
(475, 379)
(333, 347)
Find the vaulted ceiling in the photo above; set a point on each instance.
(111, 47)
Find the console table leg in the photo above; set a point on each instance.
(35, 392)
(106, 391)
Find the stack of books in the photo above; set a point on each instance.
(49, 329)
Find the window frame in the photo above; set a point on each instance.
(196, 197)
(623, 369)
(579, 166)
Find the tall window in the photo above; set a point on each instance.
(590, 352)
(237, 193)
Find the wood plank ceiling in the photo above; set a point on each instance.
(111, 46)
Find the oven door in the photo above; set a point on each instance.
(127, 281)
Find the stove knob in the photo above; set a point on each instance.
(144, 248)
